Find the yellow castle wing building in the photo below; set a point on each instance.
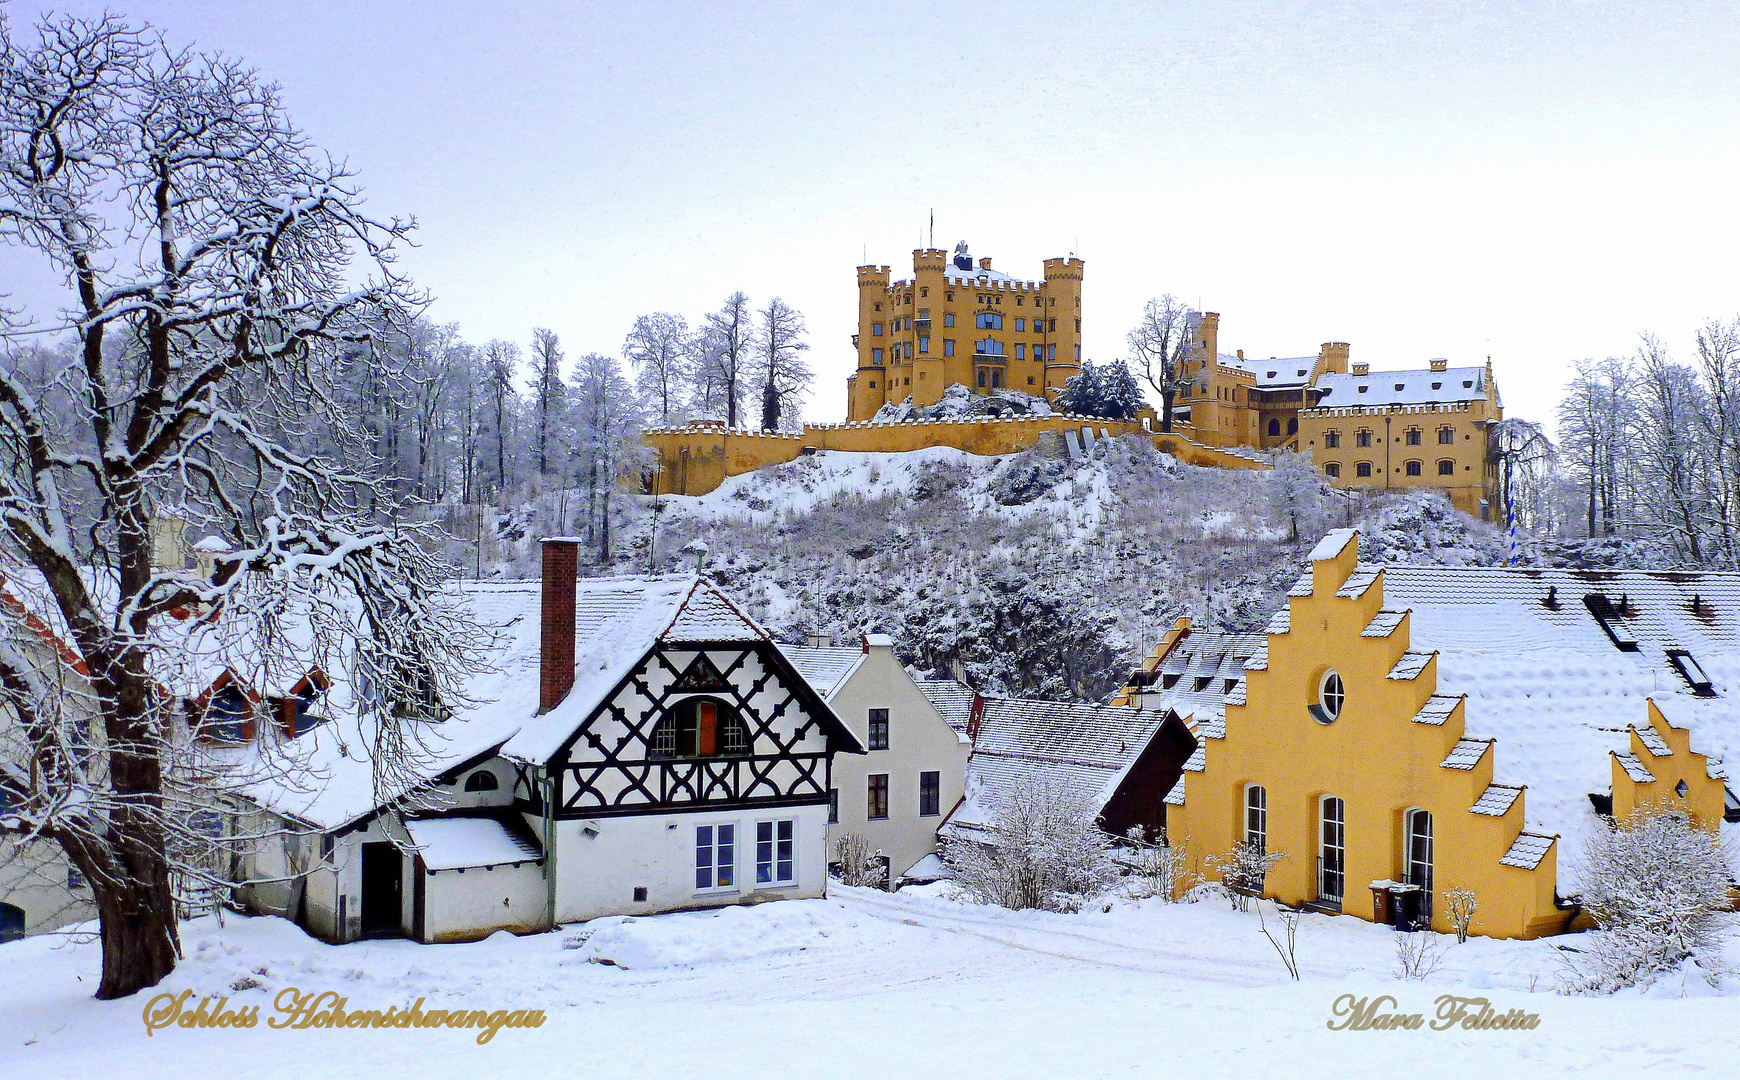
(1407, 731)
(959, 321)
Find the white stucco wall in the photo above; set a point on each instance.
(465, 905)
(597, 875)
(33, 877)
(919, 740)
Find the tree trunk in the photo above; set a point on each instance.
(136, 912)
(1166, 398)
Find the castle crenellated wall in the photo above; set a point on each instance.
(694, 459)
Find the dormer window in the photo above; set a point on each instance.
(1363, 389)
(700, 727)
(1689, 669)
(1608, 614)
(1202, 682)
(1467, 384)
(1400, 385)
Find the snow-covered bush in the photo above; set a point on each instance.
(858, 864)
(1417, 954)
(1049, 852)
(1286, 941)
(1153, 867)
(1461, 904)
(1243, 870)
(1655, 884)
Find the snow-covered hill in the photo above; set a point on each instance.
(1038, 576)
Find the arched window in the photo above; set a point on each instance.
(1446, 468)
(988, 320)
(1413, 468)
(1420, 857)
(1274, 426)
(1257, 817)
(700, 727)
(1292, 425)
(1362, 469)
(1332, 849)
(482, 780)
(1333, 469)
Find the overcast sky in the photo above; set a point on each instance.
(1534, 182)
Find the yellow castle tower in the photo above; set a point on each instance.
(957, 320)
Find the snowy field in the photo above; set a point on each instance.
(864, 984)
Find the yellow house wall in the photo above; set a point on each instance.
(1373, 757)
(1703, 800)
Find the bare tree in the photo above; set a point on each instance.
(1671, 457)
(1162, 344)
(215, 266)
(778, 367)
(1047, 850)
(729, 332)
(501, 362)
(605, 419)
(548, 392)
(1596, 429)
(661, 351)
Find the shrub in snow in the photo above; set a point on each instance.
(1107, 390)
(1243, 870)
(1417, 955)
(1027, 476)
(1049, 852)
(1655, 884)
(859, 864)
(1152, 867)
(1284, 938)
(1461, 904)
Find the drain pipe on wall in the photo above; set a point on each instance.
(550, 842)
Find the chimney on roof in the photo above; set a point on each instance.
(556, 629)
(985, 263)
(1362, 369)
(1439, 363)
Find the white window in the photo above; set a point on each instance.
(1257, 817)
(1420, 857)
(1331, 696)
(715, 856)
(1332, 859)
(774, 847)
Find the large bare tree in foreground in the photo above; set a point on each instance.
(216, 268)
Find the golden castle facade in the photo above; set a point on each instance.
(960, 321)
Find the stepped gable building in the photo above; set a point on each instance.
(1378, 430)
(1405, 730)
(960, 321)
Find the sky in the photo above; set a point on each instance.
(1536, 183)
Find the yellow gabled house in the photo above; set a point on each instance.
(1409, 730)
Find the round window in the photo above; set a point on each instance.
(1330, 697)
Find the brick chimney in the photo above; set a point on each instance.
(985, 264)
(556, 631)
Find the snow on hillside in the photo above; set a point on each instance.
(1038, 576)
(862, 984)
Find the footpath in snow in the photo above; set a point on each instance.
(863, 984)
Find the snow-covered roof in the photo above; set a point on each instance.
(1558, 693)
(1414, 386)
(954, 700)
(450, 843)
(617, 622)
(826, 669)
(1087, 747)
(1275, 373)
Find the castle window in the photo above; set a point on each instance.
(878, 305)
(1446, 436)
(1332, 440)
(1029, 380)
(1078, 326)
(875, 329)
(1020, 351)
(950, 295)
(1051, 325)
(996, 379)
(1020, 326)
(1292, 425)
(924, 290)
(1051, 352)
(1257, 817)
(1467, 384)
(1362, 437)
(1274, 426)
(1413, 436)
(981, 378)
(1362, 469)
(1078, 354)
(876, 356)
(1332, 469)
(872, 384)
(924, 344)
(948, 318)
(988, 320)
(1446, 468)
(1413, 468)
(1437, 386)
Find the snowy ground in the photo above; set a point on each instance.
(864, 984)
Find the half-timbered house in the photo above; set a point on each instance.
(639, 745)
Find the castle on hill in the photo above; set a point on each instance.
(958, 321)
